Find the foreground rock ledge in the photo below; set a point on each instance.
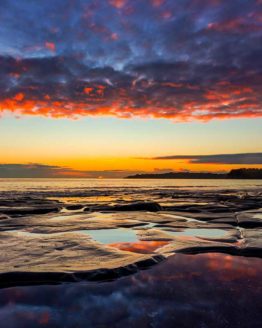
(62, 252)
(41, 239)
(64, 257)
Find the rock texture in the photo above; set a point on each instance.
(66, 252)
(45, 235)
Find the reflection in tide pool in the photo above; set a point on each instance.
(205, 233)
(142, 247)
(200, 291)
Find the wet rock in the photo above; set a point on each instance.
(139, 206)
(251, 219)
(4, 217)
(198, 208)
(207, 216)
(9, 279)
(67, 222)
(28, 210)
(193, 246)
(166, 233)
(68, 252)
(231, 221)
(194, 225)
(74, 207)
(252, 239)
(47, 245)
(154, 235)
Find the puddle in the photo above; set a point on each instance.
(205, 290)
(68, 211)
(109, 236)
(204, 233)
(124, 239)
(104, 236)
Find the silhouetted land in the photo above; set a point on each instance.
(233, 174)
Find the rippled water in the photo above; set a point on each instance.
(82, 184)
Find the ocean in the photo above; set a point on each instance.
(84, 184)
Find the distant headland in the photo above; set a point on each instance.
(233, 174)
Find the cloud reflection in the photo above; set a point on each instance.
(207, 290)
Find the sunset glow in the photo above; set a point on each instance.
(159, 78)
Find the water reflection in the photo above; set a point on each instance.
(208, 233)
(143, 247)
(208, 290)
(82, 184)
(107, 236)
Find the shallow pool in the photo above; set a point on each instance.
(108, 236)
(204, 233)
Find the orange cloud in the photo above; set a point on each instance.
(118, 3)
(19, 97)
(88, 90)
(50, 46)
(157, 3)
(221, 103)
(46, 87)
(234, 25)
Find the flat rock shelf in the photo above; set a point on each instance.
(52, 236)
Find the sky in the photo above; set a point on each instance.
(107, 88)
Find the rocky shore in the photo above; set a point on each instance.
(57, 236)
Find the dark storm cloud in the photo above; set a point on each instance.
(181, 60)
(248, 158)
(35, 170)
(32, 170)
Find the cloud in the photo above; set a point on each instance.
(36, 170)
(179, 60)
(241, 159)
(64, 87)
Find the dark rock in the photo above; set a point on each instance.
(250, 219)
(3, 217)
(74, 207)
(21, 211)
(141, 206)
